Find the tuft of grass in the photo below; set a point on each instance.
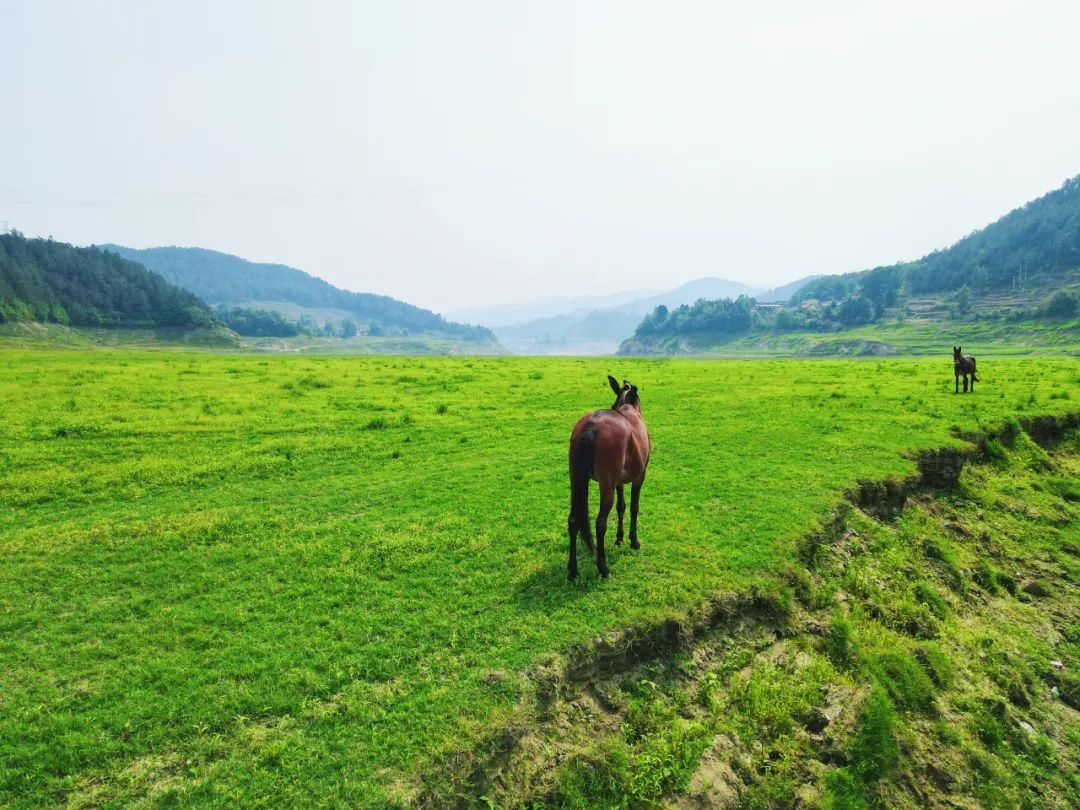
(843, 791)
(906, 683)
(76, 431)
(926, 594)
(938, 549)
(874, 751)
(839, 645)
(936, 664)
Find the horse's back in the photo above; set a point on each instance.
(620, 452)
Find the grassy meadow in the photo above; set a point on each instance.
(277, 580)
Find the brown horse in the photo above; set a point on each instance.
(963, 365)
(612, 448)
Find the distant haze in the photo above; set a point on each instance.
(466, 154)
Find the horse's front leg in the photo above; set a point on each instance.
(965, 384)
(957, 391)
(635, 500)
(607, 497)
(620, 506)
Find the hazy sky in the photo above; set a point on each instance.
(477, 152)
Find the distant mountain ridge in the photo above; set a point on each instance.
(525, 311)
(600, 330)
(53, 282)
(222, 279)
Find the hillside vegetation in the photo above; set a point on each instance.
(249, 580)
(1022, 269)
(46, 281)
(229, 281)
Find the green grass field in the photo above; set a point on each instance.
(296, 580)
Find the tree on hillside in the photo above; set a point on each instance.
(963, 300)
(881, 287)
(855, 311)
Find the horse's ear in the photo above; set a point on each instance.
(614, 384)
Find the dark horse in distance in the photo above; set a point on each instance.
(612, 448)
(963, 365)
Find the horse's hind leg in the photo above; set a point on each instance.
(607, 497)
(635, 499)
(620, 506)
(965, 384)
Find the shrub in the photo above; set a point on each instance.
(1061, 304)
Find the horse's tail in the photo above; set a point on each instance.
(973, 377)
(580, 475)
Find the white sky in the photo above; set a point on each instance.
(456, 153)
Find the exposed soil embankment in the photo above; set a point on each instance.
(922, 651)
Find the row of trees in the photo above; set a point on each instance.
(723, 316)
(733, 317)
(265, 323)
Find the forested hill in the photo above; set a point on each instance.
(46, 281)
(1025, 246)
(1025, 267)
(224, 280)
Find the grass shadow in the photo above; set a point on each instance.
(547, 588)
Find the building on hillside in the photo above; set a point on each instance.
(769, 309)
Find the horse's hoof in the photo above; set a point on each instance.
(571, 575)
(604, 574)
(635, 545)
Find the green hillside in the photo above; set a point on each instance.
(53, 282)
(1018, 276)
(224, 280)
